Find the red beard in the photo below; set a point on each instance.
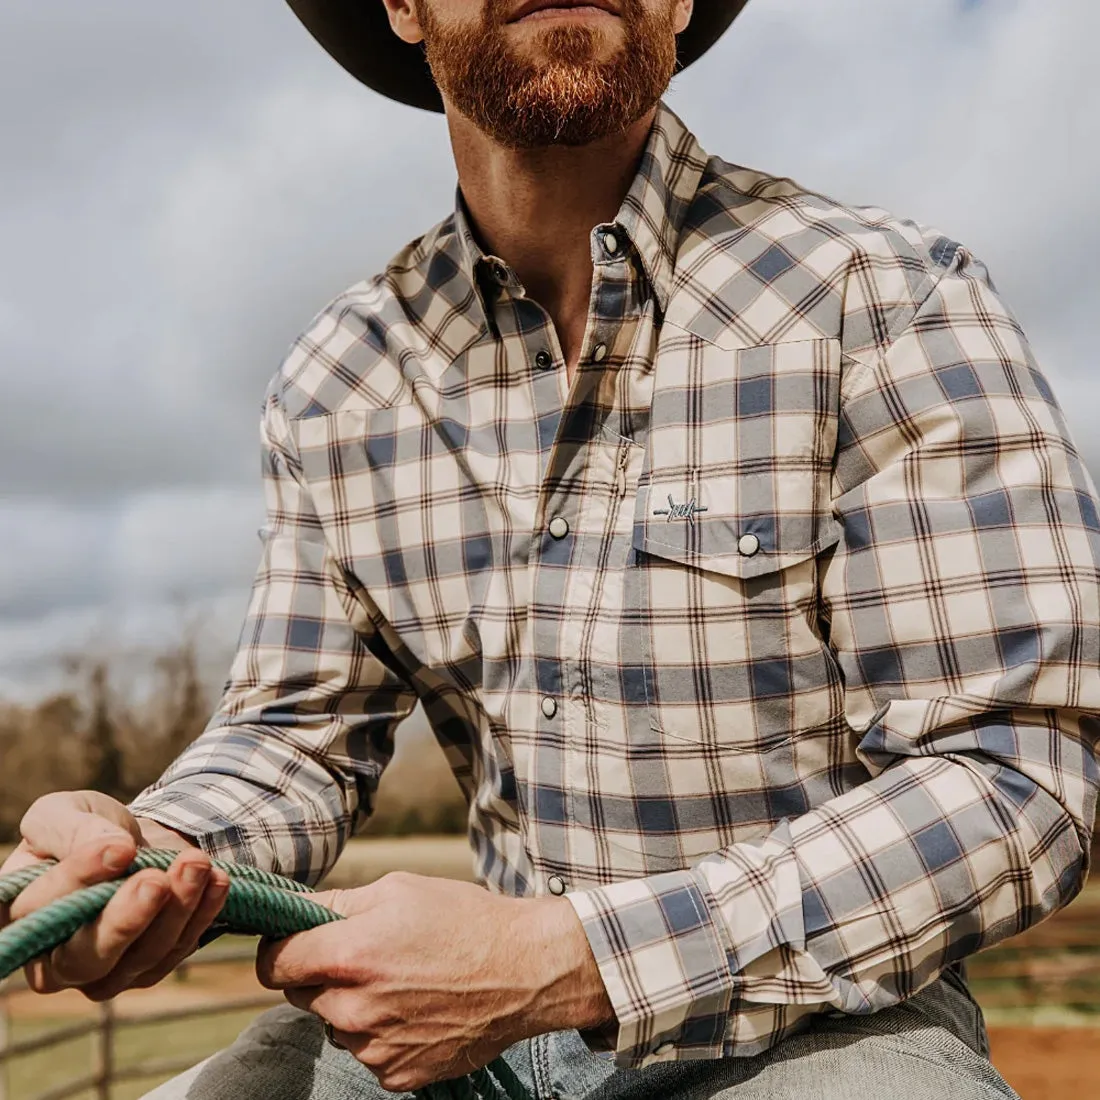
(565, 98)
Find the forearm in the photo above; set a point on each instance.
(850, 907)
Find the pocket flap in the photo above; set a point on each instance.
(714, 523)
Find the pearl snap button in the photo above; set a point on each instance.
(558, 527)
(599, 352)
(556, 885)
(611, 243)
(544, 359)
(500, 273)
(748, 545)
(549, 707)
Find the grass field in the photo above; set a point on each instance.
(1040, 992)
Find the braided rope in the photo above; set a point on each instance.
(258, 903)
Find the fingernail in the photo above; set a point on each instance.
(194, 874)
(150, 892)
(116, 859)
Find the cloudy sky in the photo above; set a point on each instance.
(182, 186)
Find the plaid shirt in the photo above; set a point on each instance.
(771, 642)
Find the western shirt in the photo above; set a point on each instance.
(770, 641)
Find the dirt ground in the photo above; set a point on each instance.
(1048, 1063)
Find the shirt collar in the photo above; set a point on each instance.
(664, 187)
(651, 216)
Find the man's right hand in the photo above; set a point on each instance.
(147, 929)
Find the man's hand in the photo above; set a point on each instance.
(150, 926)
(428, 978)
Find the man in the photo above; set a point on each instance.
(737, 550)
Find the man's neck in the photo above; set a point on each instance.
(535, 209)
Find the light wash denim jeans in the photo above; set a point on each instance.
(933, 1047)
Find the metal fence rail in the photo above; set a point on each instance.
(104, 1070)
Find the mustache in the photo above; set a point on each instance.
(496, 13)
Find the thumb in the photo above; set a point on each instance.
(339, 901)
(58, 823)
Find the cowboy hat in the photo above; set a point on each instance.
(358, 34)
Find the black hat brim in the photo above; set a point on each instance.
(357, 33)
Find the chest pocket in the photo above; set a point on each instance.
(731, 513)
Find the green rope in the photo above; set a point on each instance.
(258, 903)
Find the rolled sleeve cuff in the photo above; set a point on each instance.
(218, 838)
(273, 842)
(663, 965)
(670, 963)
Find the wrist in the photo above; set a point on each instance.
(156, 835)
(572, 992)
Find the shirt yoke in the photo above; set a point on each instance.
(765, 260)
(761, 260)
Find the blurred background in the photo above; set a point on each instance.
(182, 187)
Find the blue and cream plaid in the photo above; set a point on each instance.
(771, 640)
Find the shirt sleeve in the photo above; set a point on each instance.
(288, 766)
(962, 606)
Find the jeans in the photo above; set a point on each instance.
(932, 1047)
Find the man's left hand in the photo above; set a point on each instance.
(429, 978)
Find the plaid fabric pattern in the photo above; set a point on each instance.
(772, 641)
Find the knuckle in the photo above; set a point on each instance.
(98, 993)
(42, 802)
(399, 1081)
(346, 964)
(130, 923)
(40, 978)
(64, 967)
(60, 973)
(160, 968)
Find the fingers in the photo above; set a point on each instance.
(306, 958)
(21, 857)
(309, 998)
(317, 955)
(94, 950)
(87, 864)
(151, 924)
(174, 933)
(204, 916)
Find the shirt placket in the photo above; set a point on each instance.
(563, 587)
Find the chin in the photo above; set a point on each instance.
(573, 42)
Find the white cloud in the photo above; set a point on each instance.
(194, 182)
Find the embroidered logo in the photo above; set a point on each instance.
(686, 511)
